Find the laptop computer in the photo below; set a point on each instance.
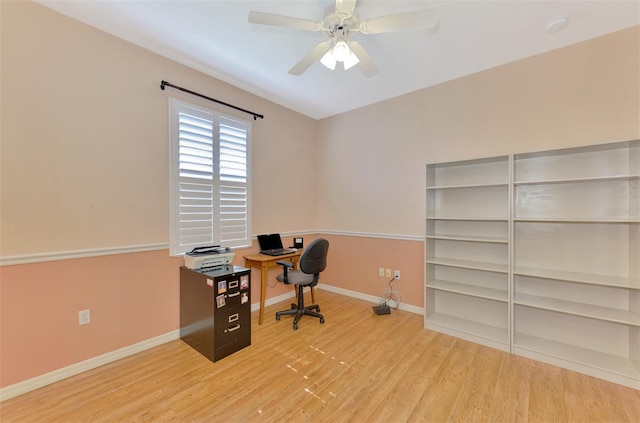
(271, 245)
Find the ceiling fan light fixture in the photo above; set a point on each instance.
(329, 60)
(341, 50)
(351, 61)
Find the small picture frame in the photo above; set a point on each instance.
(222, 287)
(298, 242)
(220, 301)
(244, 281)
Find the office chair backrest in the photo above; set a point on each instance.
(314, 258)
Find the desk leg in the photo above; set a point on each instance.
(264, 272)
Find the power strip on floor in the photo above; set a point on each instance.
(381, 309)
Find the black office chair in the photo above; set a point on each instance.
(312, 261)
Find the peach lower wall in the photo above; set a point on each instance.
(353, 263)
(134, 297)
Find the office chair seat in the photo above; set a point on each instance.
(312, 261)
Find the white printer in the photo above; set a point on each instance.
(212, 256)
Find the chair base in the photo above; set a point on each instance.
(299, 310)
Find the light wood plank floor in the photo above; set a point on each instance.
(357, 367)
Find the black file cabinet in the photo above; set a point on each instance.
(215, 310)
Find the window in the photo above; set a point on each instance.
(209, 179)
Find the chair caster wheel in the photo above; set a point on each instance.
(322, 320)
(295, 326)
(277, 317)
(318, 309)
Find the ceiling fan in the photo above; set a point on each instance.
(339, 24)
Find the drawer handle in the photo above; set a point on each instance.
(232, 328)
(233, 317)
(233, 284)
(235, 294)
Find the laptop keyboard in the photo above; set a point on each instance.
(277, 252)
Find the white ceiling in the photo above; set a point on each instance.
(214, 37)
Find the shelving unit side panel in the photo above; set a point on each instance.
(634, 199)
(579, 162)
(483, 311)
(634, 252)
(593, 200)
(429, 301)
(430, 175)
(581, 332)
(634, 157)
(634, 349)
(600, 249)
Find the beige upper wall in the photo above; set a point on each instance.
(373, 159)
(84, 139)
(84, 135)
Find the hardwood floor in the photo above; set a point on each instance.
(357, 367)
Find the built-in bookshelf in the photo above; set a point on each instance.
(539, 254)
(467, 248)
(576, 259)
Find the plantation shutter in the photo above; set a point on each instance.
(210, 190)
(234, 228)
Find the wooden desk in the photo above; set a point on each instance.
(264, 263)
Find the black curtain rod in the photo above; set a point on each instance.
(168, 84)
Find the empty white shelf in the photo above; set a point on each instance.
(586, 357)
(468, 264)
(590, 278)
(580, 309)
(472, 290)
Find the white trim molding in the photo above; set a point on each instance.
(419, 238)
(66, 255)
(83, 366)
(107, 251)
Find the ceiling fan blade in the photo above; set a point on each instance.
(366, 65)
(316, 53)
(345, 8)
(420, 19)
(283, 21)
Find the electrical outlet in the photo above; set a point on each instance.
(84, 317)
(388, 273)
(397, 274)
(380, 271)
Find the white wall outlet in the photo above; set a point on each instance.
(388, 273)
(380, 271)
(84, 317)
(397, 274)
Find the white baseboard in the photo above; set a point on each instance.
(274, 300)
(370, 298)
(83, 366)
(348, 293)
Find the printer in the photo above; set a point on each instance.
(204, 257)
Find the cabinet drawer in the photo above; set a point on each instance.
(232, 331)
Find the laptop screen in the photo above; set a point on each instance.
(269, 242)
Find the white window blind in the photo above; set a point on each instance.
(209, 163)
